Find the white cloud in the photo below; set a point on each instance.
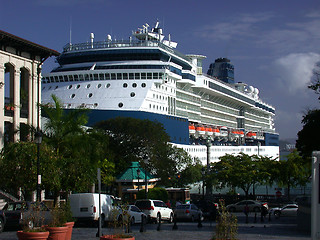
(296, 70)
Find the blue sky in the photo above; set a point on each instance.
(273, 44)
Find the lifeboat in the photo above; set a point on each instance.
(252, 135)
(209, 131)
(241, 133)
(215, 132)
(224, 132)
(235, 133)
(200, 130)
(192, 130)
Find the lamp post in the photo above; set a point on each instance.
(145, 177)
(138, 173)
(208, 184)
(38, 140)
(203, 171)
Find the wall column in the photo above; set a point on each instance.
(16, 103)
(1, 105)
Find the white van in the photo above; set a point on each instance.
(85, 207)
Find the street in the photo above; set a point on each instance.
(282, 228)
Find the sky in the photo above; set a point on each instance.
(273, 44)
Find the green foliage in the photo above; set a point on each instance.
(154, 193)
(59, 217)
(227, 225)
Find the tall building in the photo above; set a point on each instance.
(222, 69)
(20, 85)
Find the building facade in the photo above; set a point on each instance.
(20, 86)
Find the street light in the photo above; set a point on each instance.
(208, 184)
(203, 171)
(145, 177)
(138, 173)
(38, 140)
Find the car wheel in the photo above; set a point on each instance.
(276, 214)
(232, 209)
(171, 218)
(158, 219)
(1, 224)
(256, 209)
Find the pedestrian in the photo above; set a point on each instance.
(168, 204)
(246, 210)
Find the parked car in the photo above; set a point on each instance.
(254, 206)
(155, 210)
(17, 213)
(136, 214)
(85, 207)
(188, 212)
(2, 220)
(289, 210)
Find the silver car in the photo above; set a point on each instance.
(254, 206)
(289, 210)
(188, 212)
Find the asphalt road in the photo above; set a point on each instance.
(283, 228)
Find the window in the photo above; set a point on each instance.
(132, 94)
(120, 105)
(78, 86)
(99, 85)
(88, 86)
(90, 95)
(125, 85)
(108, 85)
(134, 85)
(131, 76)
(73, 95)
(143, 85)
(70, 86)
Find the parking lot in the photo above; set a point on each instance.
(282, 228)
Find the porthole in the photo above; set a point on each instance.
(143, 85)
(120, 105)
(88, 86)
(90, 95)
(125, 85)
(132, 94)
(108, 85)
(99, 85)
(95, 105)
(70, 86)
(73, 95)
(78, 86)
(134, 85)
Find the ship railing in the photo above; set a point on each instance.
(120, 44)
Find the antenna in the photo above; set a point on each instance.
(70, 30)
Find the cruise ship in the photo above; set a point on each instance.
(208, 115)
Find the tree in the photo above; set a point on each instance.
(291, 172)
(307, 141)
(242, 171)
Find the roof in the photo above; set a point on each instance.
(131, 175)
(22, 45)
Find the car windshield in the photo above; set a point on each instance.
(143, 204)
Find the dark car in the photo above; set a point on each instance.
(18, 214)
(2, 220)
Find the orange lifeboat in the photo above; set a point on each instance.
(251, 135)
(216, 132)
(209, 131)
(200, 130)
(192, 129)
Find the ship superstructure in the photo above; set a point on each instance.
(146, 77)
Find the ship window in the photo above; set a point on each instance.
(125, 75)
(70, 86)
(120, 105)
(91, 77)
(113, 76)
(143, 85)
(73, 95)
(134, 85)
(149, 75)
(95, 76)
(161, 75)
(88, 86)
(107, 76)
(65, 77)
(137, 76)
(143, 75)
(131, 76)
(125, 85)
(78, 86)
(95, 104)
(108, 85)
(76, 77)
(155, 75)
(119, 76)
(132, 94)
(80, 77)
(86, 77)
(56, 79)
(99, 86)
(51, 79)
(101, 76)
(71, 78)
(60, 79)
(90, 95)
